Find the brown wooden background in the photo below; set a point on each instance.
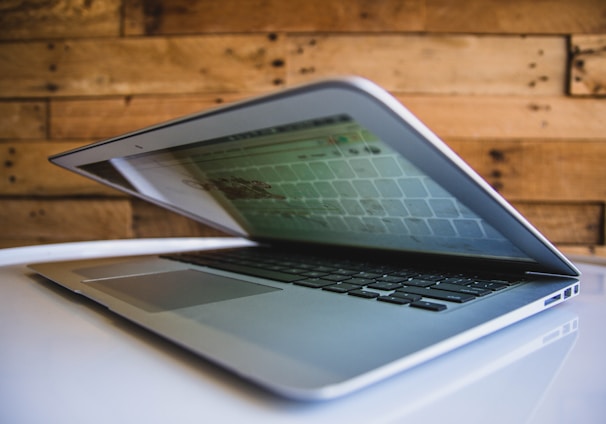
(515, 87)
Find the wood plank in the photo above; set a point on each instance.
(507, 117)
(152, 221)
(141, 66)
(153, 17)
(39, 19)
(52, 220)
(494, 117)
(25, 171)
(534, 170)
(516, 16)
(23, 120)
(566, 223)
(588, 65)
(105, 117)
(440, 64)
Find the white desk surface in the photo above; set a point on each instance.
(63, 359)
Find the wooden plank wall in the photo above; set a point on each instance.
(516, 88)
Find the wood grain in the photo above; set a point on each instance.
(105, 117)
(516, 16)
(507, 117)
(588, 65)
(438, 64)
(539, 170)
(154, 17)
(52, 220)
(25, 171)
(159, 17)
(141, 65)
(23, 120)
(566, 223)
(36, 19)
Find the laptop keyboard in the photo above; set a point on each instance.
(432, 291)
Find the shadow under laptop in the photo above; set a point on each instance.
(464, 383)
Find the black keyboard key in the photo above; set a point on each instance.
(391, 279)
(325, 269)
(419, 283)
(363, 293)
(307, 267)
(409, 296)
(296, 271)
(383, 285)
(314, 283)
(438, 294)
(368, 275)
(430, 277)
(497, 281)
(457, 280)
(430, 306)
(394, 299)
(360, 281)
(343, 271)
(314, 274)
(404, 274)
(488, 285)
(274, 267)
(337, 278)
(341, 288)
(474, 291)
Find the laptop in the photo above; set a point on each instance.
(374, 247)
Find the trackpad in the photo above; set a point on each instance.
(176, 289)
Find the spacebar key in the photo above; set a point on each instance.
(438, 294)
(257, 272)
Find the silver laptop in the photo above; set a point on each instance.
(376, 248)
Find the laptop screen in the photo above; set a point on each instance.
(327, 180)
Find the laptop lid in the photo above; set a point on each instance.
(338, 162)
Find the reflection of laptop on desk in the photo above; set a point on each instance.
(507, 375)
(378, 248)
